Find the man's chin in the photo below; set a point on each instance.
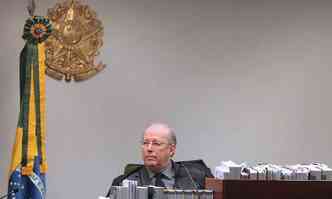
(150, 163)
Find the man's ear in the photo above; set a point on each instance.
(172, 150)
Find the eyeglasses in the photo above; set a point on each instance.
(155, 144)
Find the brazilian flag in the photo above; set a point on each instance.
(28, 165)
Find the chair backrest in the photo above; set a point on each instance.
(198, 164)
(129, 168)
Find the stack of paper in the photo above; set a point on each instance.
(301, 172)
(249, 173)
(228, 170)
(326, 172)
(287, 174)
(261, 172)
(265, 171)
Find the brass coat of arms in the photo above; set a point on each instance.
(74, 43)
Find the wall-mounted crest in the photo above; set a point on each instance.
(74, 43)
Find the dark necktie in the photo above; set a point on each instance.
(159, 182)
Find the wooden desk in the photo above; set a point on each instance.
(253, 189)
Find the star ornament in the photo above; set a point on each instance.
(37, 29)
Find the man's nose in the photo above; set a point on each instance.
(150, 146)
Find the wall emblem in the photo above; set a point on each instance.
(74, 43)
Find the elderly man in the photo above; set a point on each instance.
(158, 147)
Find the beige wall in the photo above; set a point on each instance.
(244, 80)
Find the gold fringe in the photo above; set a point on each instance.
(43, 167)
(32, 145)
(42, 68)
(17, 150)
(28, 170)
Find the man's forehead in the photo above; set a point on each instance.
(157, 130)
(156, 136)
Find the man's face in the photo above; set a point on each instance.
(156, 149)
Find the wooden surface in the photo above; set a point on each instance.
(253, 189)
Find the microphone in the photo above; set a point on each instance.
(190, 176)
(13, 191)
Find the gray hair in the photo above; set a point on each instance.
(171, 137)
